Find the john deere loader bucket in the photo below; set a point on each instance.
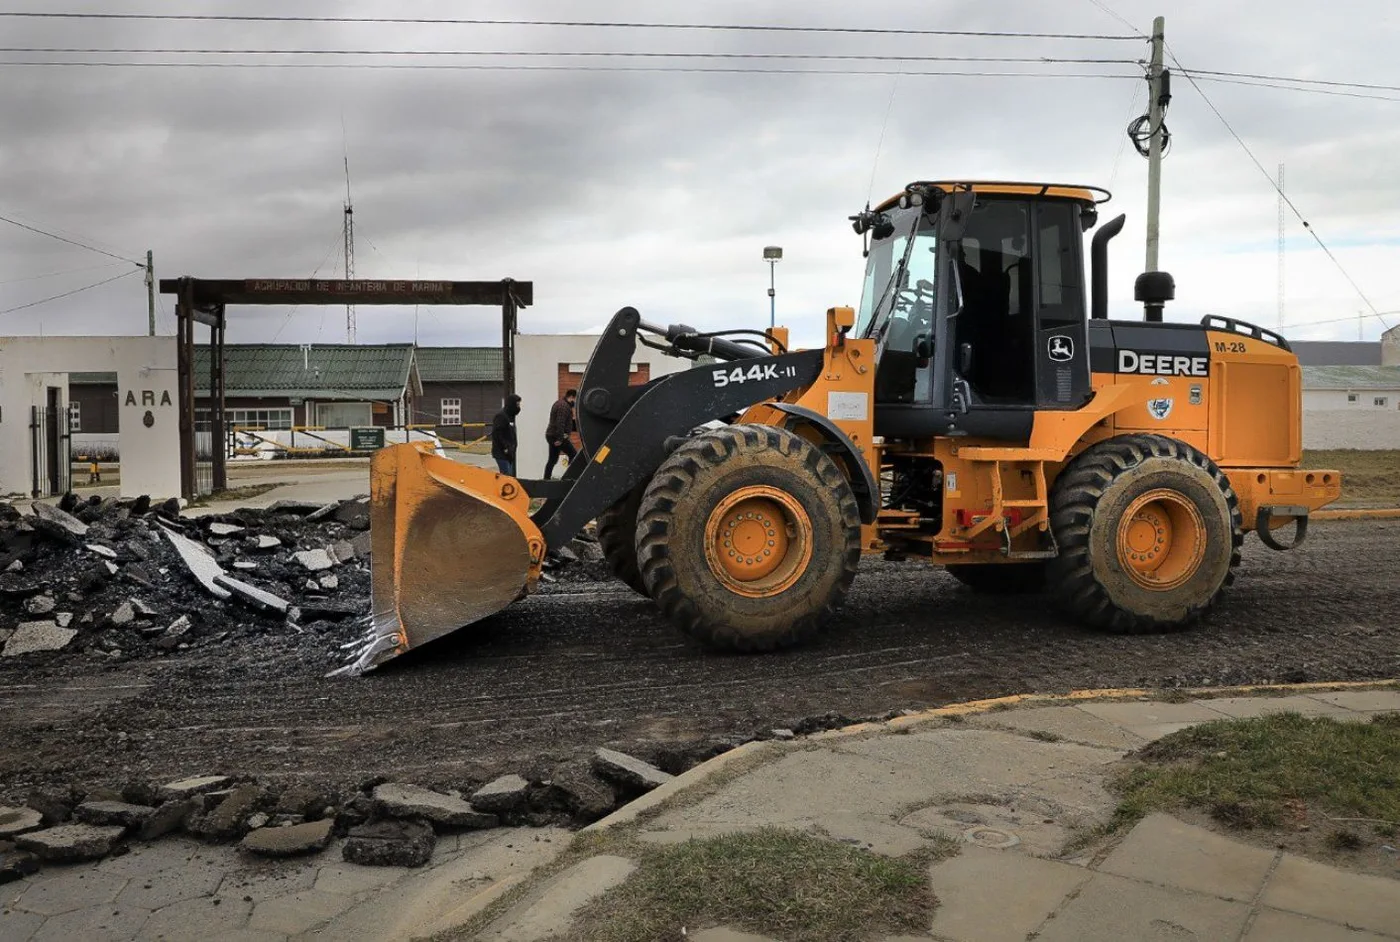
(452, 544)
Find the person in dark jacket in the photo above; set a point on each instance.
(503, 435)
(557, 432)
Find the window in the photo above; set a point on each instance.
(249, 418)
(1353, 397)
(1380, 402)
(344, 414)
(450, 412)
(75, 416)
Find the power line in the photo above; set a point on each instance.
(458, 67)
(314, 272)
(81, 245)
(586, 24)
(540, 53)
(1297, 88)
(1299, 81)
(1277, 189)
(1113, 13)
(55, 274)
(66, 294)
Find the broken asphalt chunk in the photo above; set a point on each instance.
(33, 636)
(507, 793)
(628, 770)
(69, 843)
(119, 813)
(253, 595)
(390, 844)
(224, 529)
(188, 787)
(200, 564)
(16, 865)
(321, 513)
(316, 560)
(289, 841)
(410, 801)
(50, 514)
(16, 821)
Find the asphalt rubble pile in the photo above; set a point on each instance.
(122, 579)
(382, 823)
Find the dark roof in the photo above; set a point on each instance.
(1337, 352)
(323, 371)
(92, 379)
(460, 364)
(1351, 377)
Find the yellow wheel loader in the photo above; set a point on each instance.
(979, 412)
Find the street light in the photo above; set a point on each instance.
(772, 254)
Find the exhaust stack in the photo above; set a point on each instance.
(1099, 254)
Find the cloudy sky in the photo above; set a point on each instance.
(660, 189)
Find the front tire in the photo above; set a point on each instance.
(748, 536)
(1149, 533)
(617, 537)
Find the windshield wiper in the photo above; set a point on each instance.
(877, 321)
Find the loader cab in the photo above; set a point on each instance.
(979, 311)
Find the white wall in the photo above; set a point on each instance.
(146, 383)
(537, 359)
(1365, 429)
(1325, 400)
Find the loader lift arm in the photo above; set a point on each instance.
(627, 431)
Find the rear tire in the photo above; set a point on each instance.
(1001, 578)
(1149, 533)
(617, 537)
(748, 537)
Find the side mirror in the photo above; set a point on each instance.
(965, 358)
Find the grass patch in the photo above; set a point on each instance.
(1368, 477)
(772, 881)
(1264, 772)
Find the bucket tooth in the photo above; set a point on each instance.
(451, 544)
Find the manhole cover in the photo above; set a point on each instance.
(991, 837)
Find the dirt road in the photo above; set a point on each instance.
(586, 664)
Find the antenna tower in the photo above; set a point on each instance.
(349, 252)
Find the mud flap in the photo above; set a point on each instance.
(452, 544)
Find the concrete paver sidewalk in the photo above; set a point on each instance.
(1013, 788)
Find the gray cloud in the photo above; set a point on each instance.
(660, 190)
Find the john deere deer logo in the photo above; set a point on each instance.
(1061, 348)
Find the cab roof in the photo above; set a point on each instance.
(1081, 194)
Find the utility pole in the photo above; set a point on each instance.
(1155, 101)
(150, 294)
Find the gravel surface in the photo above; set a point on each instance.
(585, 664)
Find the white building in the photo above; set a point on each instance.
(36, 425)
(1351, 407)
(548, 364)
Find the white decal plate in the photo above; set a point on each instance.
(848, 406)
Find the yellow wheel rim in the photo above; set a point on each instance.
(1161, 540)
(758, 541)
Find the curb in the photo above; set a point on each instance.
(1360, 513)
(694, 776)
